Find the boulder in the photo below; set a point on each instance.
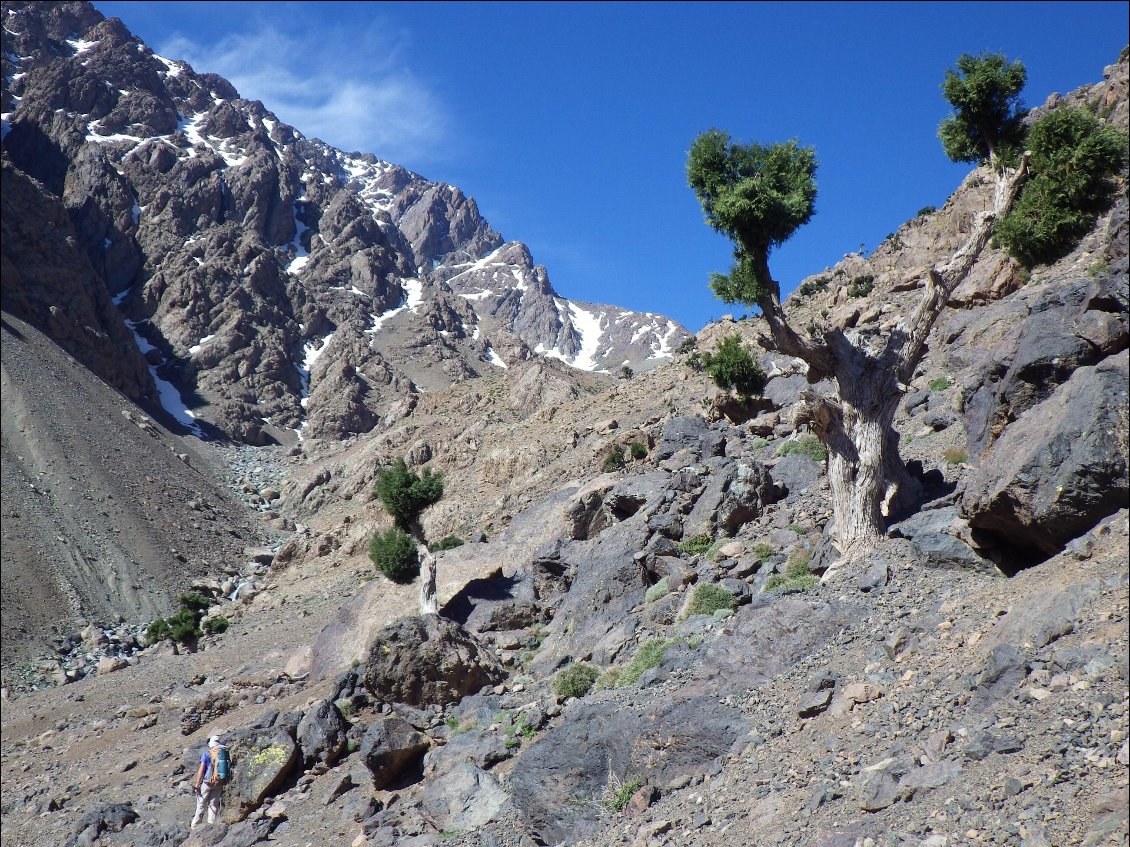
(795, 474)
(495, 603)
(938, 536)
(321, 734)
(689, 433)
(464, 798)
(262, 759)
(428, 659)
(390, 748)
(1056, 471)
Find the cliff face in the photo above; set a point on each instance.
(241, 252)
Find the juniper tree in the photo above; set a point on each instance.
(758, 196)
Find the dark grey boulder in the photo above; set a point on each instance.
(464, 798)
(938, 537)
(692, 434)
(428, 659)
(496, 603)
(796, 474)
(321, 734)
(262, 759)
(390, 749)
(1057, 470)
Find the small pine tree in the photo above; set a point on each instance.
(405, 494)
(394, 554)
(733, 368)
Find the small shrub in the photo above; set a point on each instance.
(657, 591)
(405, 494)
(648, 656)
(861, 286)
(757, 443)
(733, 368)
(575, 681)
(955, 456)
(687, 345)
(183, 626)
(708, 599)
(1099, 268)
(637, 450)
(216, 625)
(1074, 154)
(626, 372)
(614, 461)
(696, 545)
(797, 576)
(761, 553)
(449, 542)
(609, 679)
(194, 602)
(619, 793)
(158, 630)
(394, 554)
(925, 210)
(814, 285)
(939, 383)
(805, 445)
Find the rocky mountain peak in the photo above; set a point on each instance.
(234, 246)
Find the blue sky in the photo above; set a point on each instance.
(570, 122)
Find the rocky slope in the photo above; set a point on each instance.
(275, 283)
(966, 684)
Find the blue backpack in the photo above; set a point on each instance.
(221, 765)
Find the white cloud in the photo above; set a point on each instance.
(352, 90)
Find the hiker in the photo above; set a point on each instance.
(210, 779)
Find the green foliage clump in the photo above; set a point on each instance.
(925, 210)
(620, 793)
(216, 625)
(183, 626)
(757, 196)
(797, 576)
(648, 656)
(733, 367)
(861, 286)
(1073, 156)
(696, 545)
(761, 553)
(405, 494)
(988, 116)
(708, 599)
(657, 591)
(804, 445)
(637, 450)
(938, 383)
(814, 286)
(626, 372)
(575, 681)
(955, 456)
(614, 461)
(394, 553)
(448, 542)
(686, 346)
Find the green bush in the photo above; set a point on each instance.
(1074, 154)
(614, 461)
(925, 210)
(805, 445)
(955, 456)
(575, 681)
(216, 625)
(687, 345)
(394, 553)
(657, 591)
(708, 599)
(183, 626)
(939, 383)
(449, 542)
(637, 450)
(761, 553)
(733, 368)
(797, 576)
(696, 545)
(814, 285)
(619, 793)
(861, 286)
(626, 372)
(647, 657)
(405, 494)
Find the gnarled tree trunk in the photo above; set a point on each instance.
(868, 478)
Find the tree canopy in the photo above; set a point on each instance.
(405, 494)
(988, 112)
(756, 195)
